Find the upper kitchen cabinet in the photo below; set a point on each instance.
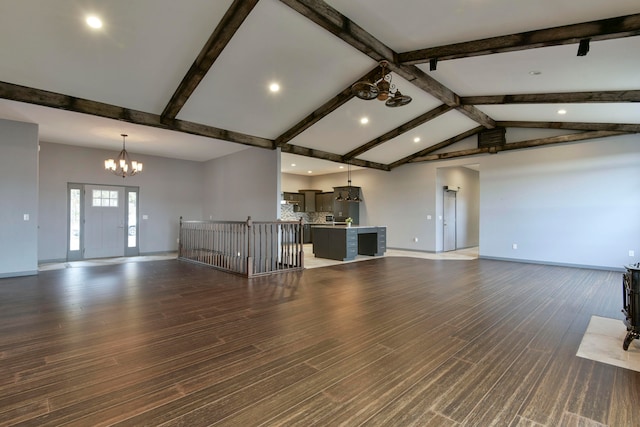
(310, 204)
(346, 203)
(295, 199)
(324, 202)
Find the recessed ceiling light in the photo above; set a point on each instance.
(416, 139)
(274, 87)
(341, 167)
(309, 171)
(562, 111)
(364, 120)
(94, 22)
(293, 165)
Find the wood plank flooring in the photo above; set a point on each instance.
(383, 342)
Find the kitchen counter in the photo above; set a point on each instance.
(343, 243)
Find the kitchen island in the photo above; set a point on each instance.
(343, 243)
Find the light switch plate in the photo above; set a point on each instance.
(26, 217)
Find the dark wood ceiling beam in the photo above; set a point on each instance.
(520, 145)
(429, 115)
(326, 109)
(619, 127)
(231, 21)
(324, 155)
(478, 116)
(622, 26)
(427, 83)
(438, 146)
(339, 25)
(430, 85)
(94, 108)
(554, 98)
(333, 21)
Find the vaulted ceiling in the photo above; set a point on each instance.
(190, 79)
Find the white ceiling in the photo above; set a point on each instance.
(146, 47)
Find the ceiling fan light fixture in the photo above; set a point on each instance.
(398, 100)
(365, 90)
(382, 89)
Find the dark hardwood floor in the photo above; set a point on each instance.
(383, 342)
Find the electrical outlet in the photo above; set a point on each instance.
(514, 246)
(632, 253)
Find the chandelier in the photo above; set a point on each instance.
(352, 196)
(123, 166)
(381, 89)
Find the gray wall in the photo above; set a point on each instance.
(292, 183)
(18, 196)
(573, 204)
(246, 183)
(168, 189)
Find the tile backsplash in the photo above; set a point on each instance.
(287, 214)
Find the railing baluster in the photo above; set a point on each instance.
(250, 248)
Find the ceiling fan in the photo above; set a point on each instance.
(382, 89)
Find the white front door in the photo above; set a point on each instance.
(104, 225)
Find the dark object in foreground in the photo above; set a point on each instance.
(631, 303)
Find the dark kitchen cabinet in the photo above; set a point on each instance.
(343, 209)
(310, 204)
(306, 233)
(295, 199)
(345, 243)
(324, 202)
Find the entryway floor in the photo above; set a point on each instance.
(105, 261)
(310, 261)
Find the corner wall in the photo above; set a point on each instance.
(243, 184)
(18, 197)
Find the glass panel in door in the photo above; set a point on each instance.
(74, 229)
(132, 221)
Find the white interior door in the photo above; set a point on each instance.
(449, 221)
(104, 221)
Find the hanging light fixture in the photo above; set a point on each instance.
(382, 89)
(123, 166)
(351, 195)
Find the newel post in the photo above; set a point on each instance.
(180, 239)
(250, 240)
(301, 251)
